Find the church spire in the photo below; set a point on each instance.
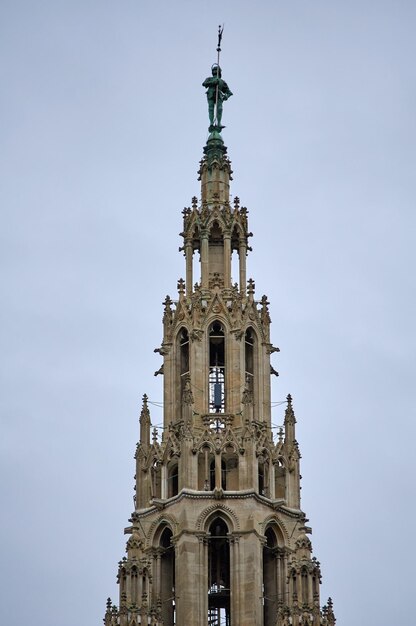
(217, 534)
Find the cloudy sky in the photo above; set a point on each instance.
(103, 120)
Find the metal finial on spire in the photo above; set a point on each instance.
(220, 32)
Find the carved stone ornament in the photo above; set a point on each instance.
(247, 397)
(196, 334)
(187, 395)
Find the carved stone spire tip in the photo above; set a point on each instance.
(289, 413)
(145, 414)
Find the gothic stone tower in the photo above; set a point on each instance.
(217, 536)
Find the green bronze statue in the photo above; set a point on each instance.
(217, 92)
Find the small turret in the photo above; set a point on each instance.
(290, 421)
(293, 457)
(215, 171)
(145, 424)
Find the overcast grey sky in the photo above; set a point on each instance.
(103, 120)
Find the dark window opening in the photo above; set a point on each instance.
(224, 471)
(223, 475)
(230, 479)
(212, 475)
(156, 480)
(219, 613)
(304, 586)
(184, 357)
(167, 579)
(261, 479)
(249, 359)
(206, 469)
(173, 481)
(215, 235)
(216, 368)
(184, 345)
(269, 579)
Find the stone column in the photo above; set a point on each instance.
(242, 251)
(203, 577)
(272, 480)
(188, 583)
(279, 578)
(189, 276)
(204, 260)
(235, 578)
(250, 608)
(128, 588)
(218, 471)
(227, 259)
(163, 482)
(285, 585)
(310, 590)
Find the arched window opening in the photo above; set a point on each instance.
(122, 579)
(134, 584)
(196, 260)
(269, 578)
(173, 481)
(235, 267)
(156, 479)
(294, 585)
(144, 589)
(261, 483)
(205, 461)
(219, 613)
(251, 382)
(263, 475)
(223, 475)
(315, 586)
(216, 368)
(230, 480)
(184, 346)
(249, 359)
(216, 251)
(279, 477)
(304, 586)
(167, 578)
(212, 475)
(183, 359)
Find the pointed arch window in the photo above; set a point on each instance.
(305, 581)
(229, 470)
(155, 473)
(167, 578)
(184, 356)
(206, 461)
(173, 480)
(249, 360)
(182, 369)
(219, 610)
(263, 474)
(216, 379)
(212, 475)
(269, 578)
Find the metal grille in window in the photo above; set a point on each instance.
(216, 389)
(216, 379)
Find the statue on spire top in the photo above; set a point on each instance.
(217, 91)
